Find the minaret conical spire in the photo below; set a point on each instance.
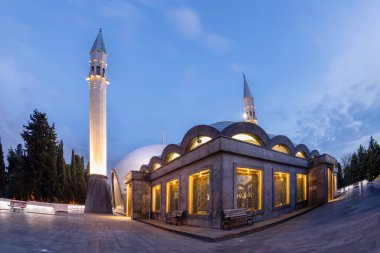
(247, 91)
(249, 108)
(99, 43)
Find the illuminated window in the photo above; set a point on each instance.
(198, 141)
(172, 195)
(171, 157)
(250, 138)
(156, 198)
(301, 187)
(248, 188)
(301, 154)
(156, 166)
(198, 192)
(281, 189)
(281, 148)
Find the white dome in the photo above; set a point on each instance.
(134, 160)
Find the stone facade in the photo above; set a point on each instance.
(222, 156)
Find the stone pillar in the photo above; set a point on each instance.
(98, 198)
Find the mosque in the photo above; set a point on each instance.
(224, 165)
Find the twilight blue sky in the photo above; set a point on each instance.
(313, 68)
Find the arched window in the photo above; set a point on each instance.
(198, 141)
(248, 137)
(281, 148)
(301, 154)
(172, 156)
(156, 166)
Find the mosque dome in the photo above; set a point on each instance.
(134, 160)
(131, 161)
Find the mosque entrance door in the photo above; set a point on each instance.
(129, 201)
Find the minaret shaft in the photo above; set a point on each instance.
(98, 126)
(98, 199)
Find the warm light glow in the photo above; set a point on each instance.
(247, 137)
(249, 194)
(172, 156)
(281, 148)
(281, 189)
(301, 154)
(197, 183)
(156, 166)
(301, 187)
(156, 198)
(198, 141)
(172, 195)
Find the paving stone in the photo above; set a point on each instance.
(350, 224)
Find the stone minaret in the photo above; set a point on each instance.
(98, 198)
(249, 108)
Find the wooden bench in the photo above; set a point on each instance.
(17, 206)
(230, 216)
(174, 217)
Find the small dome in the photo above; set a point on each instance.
(134, 160)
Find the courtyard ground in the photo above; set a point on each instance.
(349, 224)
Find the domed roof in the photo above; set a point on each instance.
(134, 160)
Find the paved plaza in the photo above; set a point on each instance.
(349, 224)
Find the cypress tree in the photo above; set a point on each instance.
(361, 162)
(17, 174)
(73, 183)
(61, 174)
(372, 162)
(87, 173)
(68, 191)
(41, 160)
(81, 184)
(2, 172)
(355, 168)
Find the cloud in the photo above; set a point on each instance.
(120, 10)
(345, 104)
(188, 23)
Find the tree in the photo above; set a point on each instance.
(81, 184)
(361, 163)
(340, 176)
(73, 183)
(41, 160)
(68, 191)
(87, 173)
(2, 172)
(17, 176)
(372, 161)
(61, 174)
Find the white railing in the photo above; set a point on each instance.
(350, 187)
(44, 207)
(75, 208)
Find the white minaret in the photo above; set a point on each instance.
(249, 108)
(98, 112)
(98, 198)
